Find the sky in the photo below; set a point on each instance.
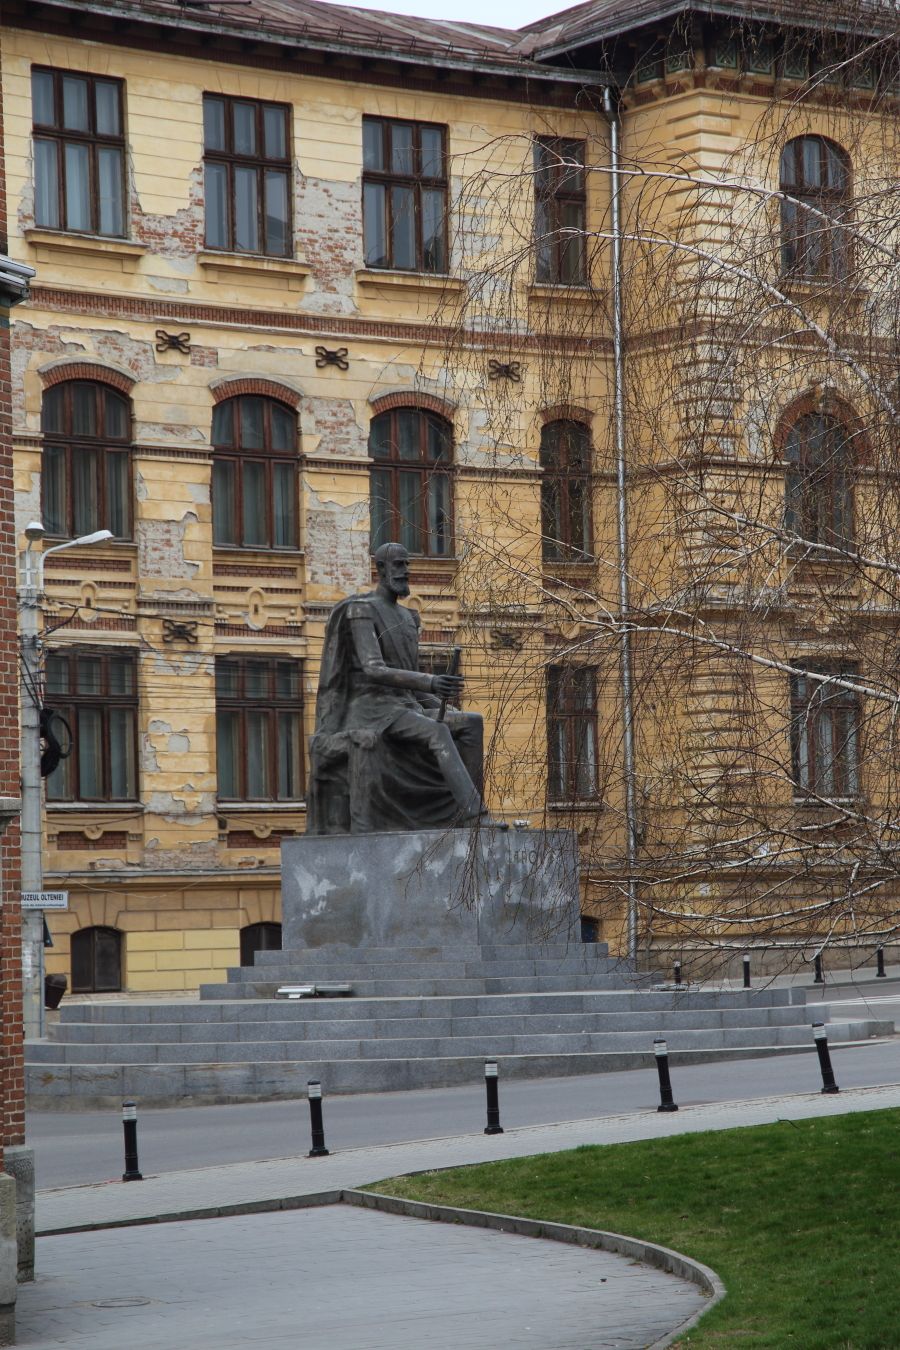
(500, 13)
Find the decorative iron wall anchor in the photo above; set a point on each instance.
(506, 640)
(173, 342)
(326, 356)
(505, 370)
(179, 630)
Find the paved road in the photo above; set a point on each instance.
(340, 1279)
(78, 1147)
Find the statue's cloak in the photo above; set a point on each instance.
(361, 781)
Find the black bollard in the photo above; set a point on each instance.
(129, 1125)
(880, 972)
(746, 960)
(677, 972)
(821, 1038)
(317, 1129)
(818, 978)
(492, 1089)
(666, 1100)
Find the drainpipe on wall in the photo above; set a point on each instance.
(611, 110)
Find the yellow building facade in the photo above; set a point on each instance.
(288, 299)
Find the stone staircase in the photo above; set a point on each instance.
(418, 1017)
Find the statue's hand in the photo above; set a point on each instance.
(447, 686)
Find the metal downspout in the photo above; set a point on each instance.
(625, 655)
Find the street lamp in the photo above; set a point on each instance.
(30, 594)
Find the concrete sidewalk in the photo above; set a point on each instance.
(285, 1183)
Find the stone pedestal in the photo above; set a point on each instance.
(430, 888)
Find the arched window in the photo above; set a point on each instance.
(566, 491)
(254, 483)
(96, 961)
(86, 478)
(410, 483)
(819, 483)
(259, 937)
(815, 172)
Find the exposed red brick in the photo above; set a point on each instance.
(87, 370)
(253, 385)
(428, 402)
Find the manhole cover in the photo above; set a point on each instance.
(120, 1302)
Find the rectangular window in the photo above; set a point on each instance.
(94, 696)
(560, 211)
(404, 195)
(571, 733)
(79, 152)
(824, 735)
(247, 170)
(259, 729)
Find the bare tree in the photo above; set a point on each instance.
(760, 293)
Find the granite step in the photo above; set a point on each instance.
(439, 1047)
(106, 1086)
(364, 971)
(293, 1028)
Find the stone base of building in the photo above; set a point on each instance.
(18, 1162)
(8, 1259)
(431, 888)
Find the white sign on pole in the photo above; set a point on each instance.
(45, 899)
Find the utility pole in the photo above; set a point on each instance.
(31, 592)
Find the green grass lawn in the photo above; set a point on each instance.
(800, 1220)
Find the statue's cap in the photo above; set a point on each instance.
(389, 553)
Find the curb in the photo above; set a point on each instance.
(597, 1239)
(309, 1200)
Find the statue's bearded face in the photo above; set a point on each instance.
(396, 575)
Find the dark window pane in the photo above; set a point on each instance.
(275, 131)
(438, 515)
(434, 253)
(214, 123)
(227, 753)
(373, 144)
(812, 160)
(224, 502)
(257, 755)
(53, 410)
(216, 179)
(117, 493)
(227, 680)
(122, 780)
(253, 483)
(246, 210)
(84, 410)
(290, 761)
(251, 423)
(43, 110)
(403, 227)
(277, 213)
(380, 437)
(410, 503)
(402, 149)
(90, 753)
(54, 489)
(78, 187)
(115, 412)
(438, 439)
(432, 152)
(287, 683)
(85, 496)
(284, 506)
(46, 184)
(244, 115)
(543, 241)
(408, 440)
(571, 263)
(121, 675)
(374, 204)
(284, 427)
(57, 675)
(75, 103)
(89, 675)
(223, 423)
(106, 94)
(109, 175)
